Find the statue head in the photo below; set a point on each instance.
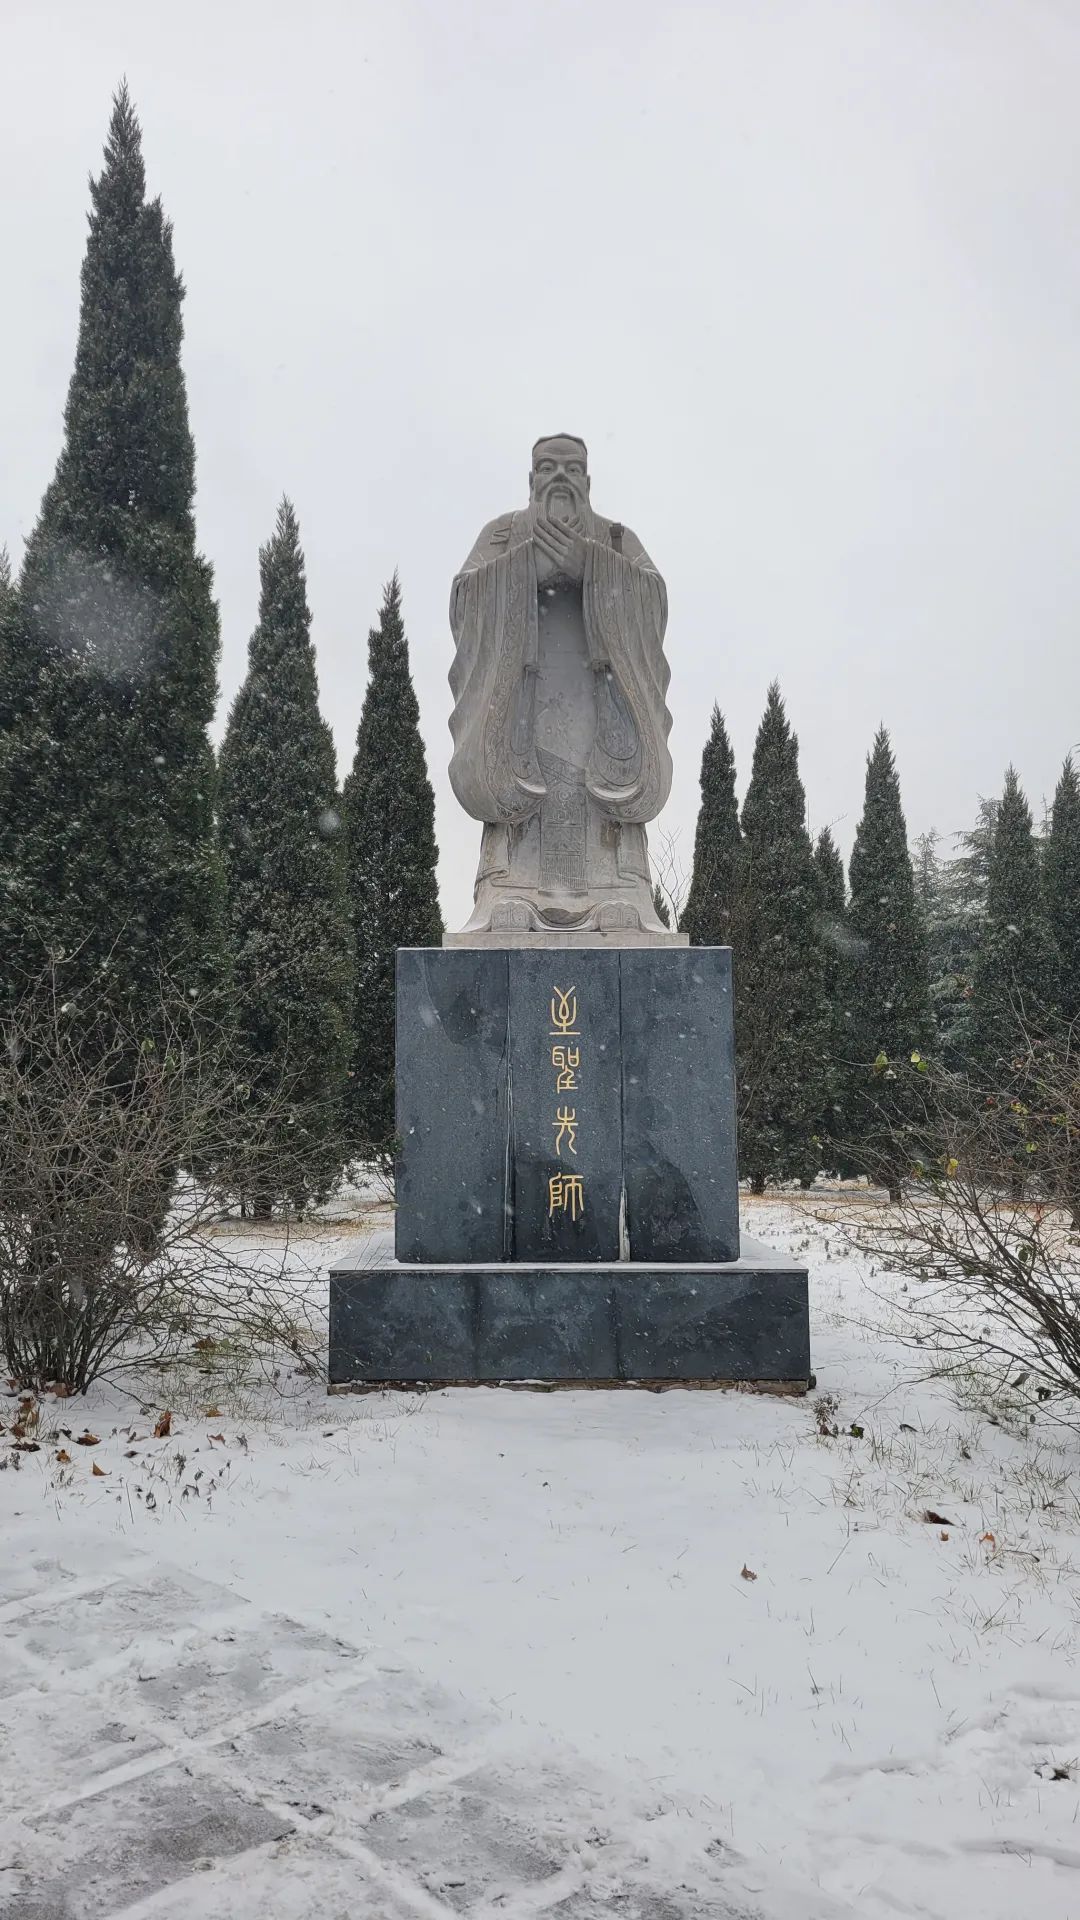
(559, 477)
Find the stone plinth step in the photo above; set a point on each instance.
(619, 1323)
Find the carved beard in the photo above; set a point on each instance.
(564, 503)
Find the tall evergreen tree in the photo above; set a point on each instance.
(287, 910)
(389, 812)
(946, 936)
(707, 915)
(890, 989)
(835, 938)
(107, 775)
(953, 898)
(832, 888)
(1015, 975)
(10, 651)
(926, 872)
(969, 871)
(781, 1020)
(660, 905)
(1061, 881)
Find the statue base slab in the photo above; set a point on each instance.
(741, 1322)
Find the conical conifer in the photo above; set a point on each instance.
(287, 912)
(889, 988)
(10, 651)
(707, 916)
(829, 867)
(389, 811)
(781, 1021)
(835, 937)
(1015, 976)
(660, 905)
(107, 775)
(1061, 883)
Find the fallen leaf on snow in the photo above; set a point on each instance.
(87, 1440)
(747, 1575)
(216, 1436)
(987, 1540)
(943, 1536)
(213, 1413)
(97, 1472)
(933, 1519)
(63, 1456)
(27, 1446)
(164, 1427)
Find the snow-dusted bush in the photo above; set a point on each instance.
(118, 1156)
(988, 1222)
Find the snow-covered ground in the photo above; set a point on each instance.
(731, 1624)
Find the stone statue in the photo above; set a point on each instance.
(560, 723)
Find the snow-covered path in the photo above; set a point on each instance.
(870, 1724)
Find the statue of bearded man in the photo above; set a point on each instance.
(560, 724)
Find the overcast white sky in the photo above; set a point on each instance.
(804, 273)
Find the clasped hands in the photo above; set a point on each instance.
(560, 547)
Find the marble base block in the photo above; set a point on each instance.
(565, 1106)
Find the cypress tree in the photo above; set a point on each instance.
(10, 651)
(708, 912)
(890, 988)
(1061, 880)
(835, 938)
(287, 913)
(389, 812)
(660, 906)
(832, 889)
(1015, 975)
(781, 1022)
(106, 775)
(952, 898)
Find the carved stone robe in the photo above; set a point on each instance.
(560, 723)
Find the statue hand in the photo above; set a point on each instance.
(560, 546)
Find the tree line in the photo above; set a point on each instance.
(131, 855)
(846, 984)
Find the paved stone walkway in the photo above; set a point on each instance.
(171, 1751)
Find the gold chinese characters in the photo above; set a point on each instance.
(566, 1191)
(564, 1011)
(566, 1061)
(566, 1194)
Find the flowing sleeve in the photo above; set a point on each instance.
(493, 769)
(625, 604)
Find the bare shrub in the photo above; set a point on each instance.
(670, 877)
(108, 1254)
(986, 1222)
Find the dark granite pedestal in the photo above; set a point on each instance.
(610, 1073)
(620, 1324)
(567, 1187)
